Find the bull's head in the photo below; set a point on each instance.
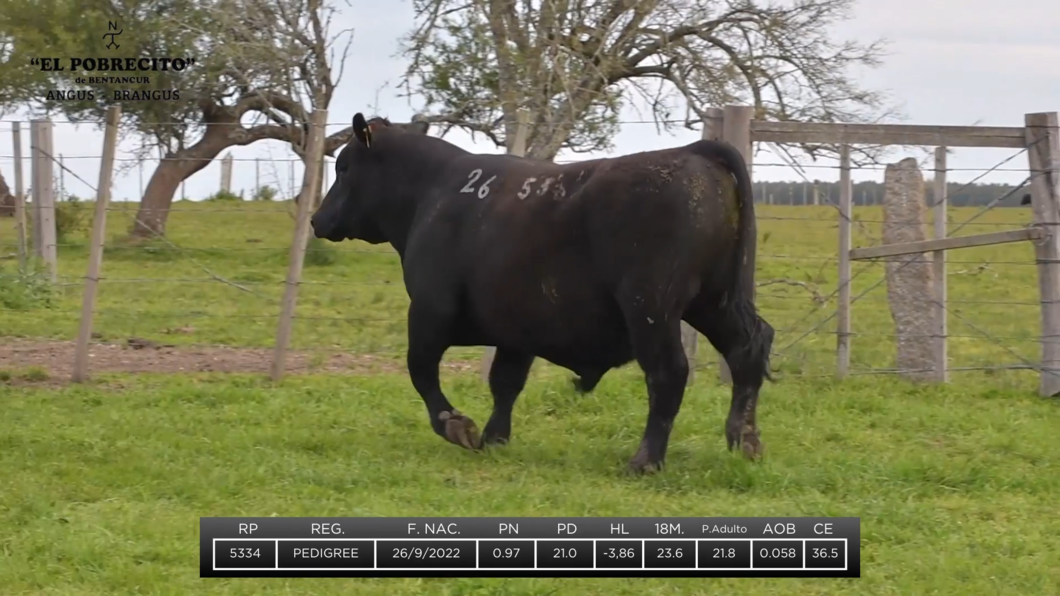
(362, 182)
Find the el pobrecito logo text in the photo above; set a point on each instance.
(102, 64)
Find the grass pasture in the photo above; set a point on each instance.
(101, 485)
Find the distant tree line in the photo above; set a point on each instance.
(871, 193)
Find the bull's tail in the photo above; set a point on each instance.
(740, 302)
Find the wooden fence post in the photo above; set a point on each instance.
(1043, 153)
(42, 172)
(938, 262)
(522, 133)
(846, 191)
(20, 199)
(736, 130)
(314, 154)
(226, 173)
(95, 249)
(34, 173)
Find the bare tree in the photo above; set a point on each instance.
(273, 65)
(7, 99)
(575, 63)
(261, 66)
(7, 200)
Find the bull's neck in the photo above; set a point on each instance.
(419, 168)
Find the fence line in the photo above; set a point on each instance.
(906, 134)
(767, 192)
(20, 199)
(810, 291)
(763, 164)
(361, 251)
(850, 279)
(815, 297)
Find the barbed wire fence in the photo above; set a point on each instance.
(207, 295)
(813, 323)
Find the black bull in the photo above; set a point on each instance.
(587, 265)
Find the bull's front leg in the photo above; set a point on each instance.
(428, 341)
(507, 379)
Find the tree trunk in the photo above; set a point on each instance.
(179, 166)
(158, 196)
(305, 184)
(175, 168)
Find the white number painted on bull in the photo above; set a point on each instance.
(484, 190)
(525, 192)
(544, 186)
(471, 179)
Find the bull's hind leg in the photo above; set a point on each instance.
(507, 378)
(428, 333)
(744, 339)
(656, 340)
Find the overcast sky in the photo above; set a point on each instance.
(986, 62)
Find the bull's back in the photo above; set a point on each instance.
(526, 264)
(544, 252)
(670, 211)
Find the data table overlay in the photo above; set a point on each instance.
(530, 547)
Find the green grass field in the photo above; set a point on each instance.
(102, 485)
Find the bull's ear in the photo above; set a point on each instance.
(361, 130)
(419, 125)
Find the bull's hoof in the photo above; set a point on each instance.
(461, 430)
(494, 440)
(751, 447)
(746, 438)
(642, 464)
(496, 432)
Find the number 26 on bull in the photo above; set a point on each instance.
(472, 178)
